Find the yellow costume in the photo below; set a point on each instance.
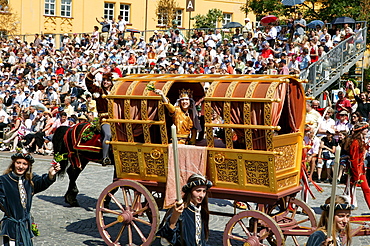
(183, 122)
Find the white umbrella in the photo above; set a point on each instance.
(292, 2)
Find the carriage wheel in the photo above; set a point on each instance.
(252, 228)
(294, 217)
(130, 218)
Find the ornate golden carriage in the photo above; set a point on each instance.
(258, 159)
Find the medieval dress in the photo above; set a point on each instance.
(193, 233)
(16, 223)
(187, 123)
(358, 169)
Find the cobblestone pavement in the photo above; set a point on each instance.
(62, 225)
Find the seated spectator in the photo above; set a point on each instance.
(341, 124)
(326, 123)
(310, 139)
(312, 116)
(326, 156)
(61, 121)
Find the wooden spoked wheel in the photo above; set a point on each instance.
(130, 218)
(294, 217)
(252, 228)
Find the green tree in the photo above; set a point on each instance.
(332, 9)
(209, 20)
(312, 9)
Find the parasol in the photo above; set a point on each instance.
(232, 24)
(314, 23)
(343, 20)
(132, 30)
(292, 2)
(268, 19)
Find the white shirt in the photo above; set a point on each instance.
(314, 143)
(121, 25)
(6, 116)
(326, 125)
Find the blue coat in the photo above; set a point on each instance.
(16, 222)
(316, 238)
(173, 236)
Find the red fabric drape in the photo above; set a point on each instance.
(277, 107)
(295, 109)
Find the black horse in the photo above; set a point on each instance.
(62, 141)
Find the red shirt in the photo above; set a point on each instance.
(345, 103)
(60, 70)
(266, 53)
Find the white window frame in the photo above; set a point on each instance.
(108, 11)
(179, 17)
(50, 10)
(125, 13)
(161, 18)
(64, 4)
(228, 17)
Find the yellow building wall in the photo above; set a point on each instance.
(84, 12)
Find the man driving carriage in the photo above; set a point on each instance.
(102, 106)
(184, 116)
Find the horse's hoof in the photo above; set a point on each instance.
(73, 203)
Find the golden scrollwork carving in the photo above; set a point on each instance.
(211, 88)
(155, 154)
(286, 182)
(155, 166)
(228, 171)
(127, 115)
(167, 87)
(219, 158)
(251, 88)
(247, 121)
(247, 117)
(129, 162)
(144, 116)
(257, 173)
(268, 122)
(111, 116)
(271, 90)
(227, 120)
(130, 135)
(230, 89)
(162, 128)
(287, 159)
(208, 119)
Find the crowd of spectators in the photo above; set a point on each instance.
(42, 86)
(332, 126)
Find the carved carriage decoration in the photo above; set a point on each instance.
(258, 159)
